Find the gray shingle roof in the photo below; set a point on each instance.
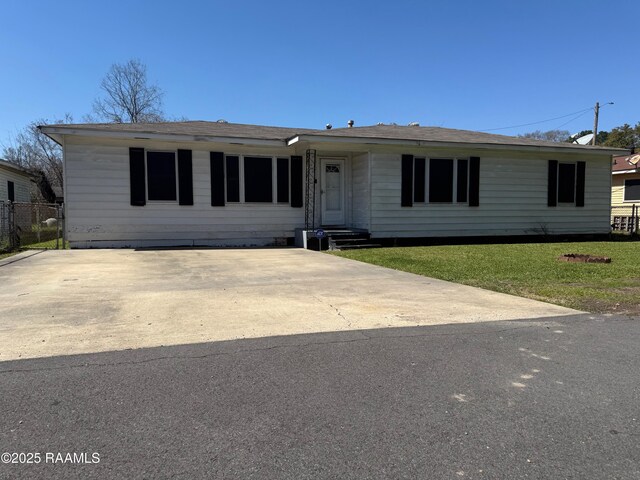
(438, 134)
(14, 167)
(198, 127)
(377, 132)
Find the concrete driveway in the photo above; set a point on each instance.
(82, 301)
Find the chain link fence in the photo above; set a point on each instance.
(624, 218)
(31, 225)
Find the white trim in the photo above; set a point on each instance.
(431, 143)
(57, 132)
(54, 132)
(370, 189)
(16, 169)
(621, 172)
(454, 180)
(274, 180)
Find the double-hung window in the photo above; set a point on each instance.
(632, 190)
(255, 179)
(566, 182)
(161, 176)
(440, 180)
(426, 180)
(258, 179)
(11, 191)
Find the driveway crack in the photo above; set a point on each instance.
(340, 314)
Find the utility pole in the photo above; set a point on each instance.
(595, 123)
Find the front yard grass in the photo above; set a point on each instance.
(528, 270)
(7, 254)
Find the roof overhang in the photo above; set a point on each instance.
(423, 143)
(15, 169)
(56, 133)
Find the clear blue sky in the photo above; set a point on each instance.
(461, 64)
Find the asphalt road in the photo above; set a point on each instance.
(555, 398)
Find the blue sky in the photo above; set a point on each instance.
(462, 64)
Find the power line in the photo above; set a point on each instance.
(569, 121)
(581, 112)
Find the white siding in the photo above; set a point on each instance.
(99, 212)
(360, 191)
(22, 185)
(513, 199)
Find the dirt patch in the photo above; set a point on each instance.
(583, 258)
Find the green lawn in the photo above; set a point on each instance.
(47, 244)
(5, 255)
(529, 270)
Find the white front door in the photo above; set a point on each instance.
(332, 191)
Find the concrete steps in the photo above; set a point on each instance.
(346, 239)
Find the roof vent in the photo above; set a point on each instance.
(328, 126)
(222, 120)
(414, 124)
(350, 123)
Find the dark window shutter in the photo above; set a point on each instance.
(552, 186)
(11, 191)
(296, 182)
(462, 187)
(185, 178)
(137, 177)
(580, 184)
(233, 178)
(418, 180)
(474, 181)
(407, 181)
(217, 178)
(283, 180)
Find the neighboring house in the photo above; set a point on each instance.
(15, 183)
(625, 190)
(217, 183)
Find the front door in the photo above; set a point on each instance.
(332, 191)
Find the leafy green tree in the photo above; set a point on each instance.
(600, 139)
(625, 136)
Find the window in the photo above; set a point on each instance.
(233, 179)
(258, 179)
(251, 179)
(566, 183)
(283, 180)
(462, 187)
(161, 176)
(632, 190)
(11, 191)
(447, 179)
(419, 180)
(440, 180)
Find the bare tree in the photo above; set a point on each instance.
(128, 98)
(550, 135)
(36, 152)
